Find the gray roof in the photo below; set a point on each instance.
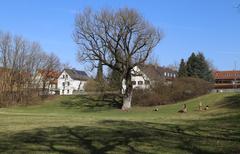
(76, 74)
(155, 72)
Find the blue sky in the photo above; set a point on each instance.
(209, 26)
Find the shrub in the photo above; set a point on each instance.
(186, 88)
(91, 86)
(94, 86)
(180, 89)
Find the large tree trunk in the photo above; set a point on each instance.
(127, 101)
(127, 92)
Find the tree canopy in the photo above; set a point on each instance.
(121, 37)
(182, 71)
(196, 66)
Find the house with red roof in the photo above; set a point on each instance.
(47, 79)
(227, 80)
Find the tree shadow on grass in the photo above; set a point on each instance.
(90, 103)
(112, 136)
(233, 101)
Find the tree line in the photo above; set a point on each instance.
(20, 61)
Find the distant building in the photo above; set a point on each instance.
(71, 81)
(227, 80)
(47, 79)
(158, 73)
(145, 75)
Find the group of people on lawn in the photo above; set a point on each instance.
(200, 108)
(184, 109)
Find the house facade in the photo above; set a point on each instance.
(227, 81)
(72, 81)
(145, 75)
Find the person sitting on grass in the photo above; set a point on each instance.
(200, 106)
(156, 109)
(184, 110)
(206, 108)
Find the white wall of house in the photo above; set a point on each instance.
(139, 80)
(67, 85)
(52, 89)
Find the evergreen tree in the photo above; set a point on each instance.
(197, 66)
(205, 71)
(115, 79)
(182, 71)
(192, 66)
(99, 76)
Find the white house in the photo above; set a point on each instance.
(145, 75)
(71, 81)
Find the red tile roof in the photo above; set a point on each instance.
(228, 75)
(49, 74)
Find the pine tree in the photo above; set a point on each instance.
(115, 76)
(205, 71)
(197, 66)
(192, 66)
(182, 71)
(115, 79)
(99, 76)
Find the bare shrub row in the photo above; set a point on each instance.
(180, 89)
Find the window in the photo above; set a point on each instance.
(63, 84)
(68, 91)
(66, 76)
(68, 83)
(63, 76)
(147, 82)
(62, 91)
(165, 73)
(140, 82)
(133, 82)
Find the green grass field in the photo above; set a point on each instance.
(84, 125)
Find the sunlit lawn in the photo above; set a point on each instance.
(82, 125)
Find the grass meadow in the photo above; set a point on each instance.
(83, 124)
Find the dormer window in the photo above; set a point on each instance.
(147, 82)
(133, 82)
(140, 82)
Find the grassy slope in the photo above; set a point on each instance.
(81, 125)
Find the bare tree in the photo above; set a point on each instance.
(51, 66)
(5, 48)
(121, 36)
(19, 62)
